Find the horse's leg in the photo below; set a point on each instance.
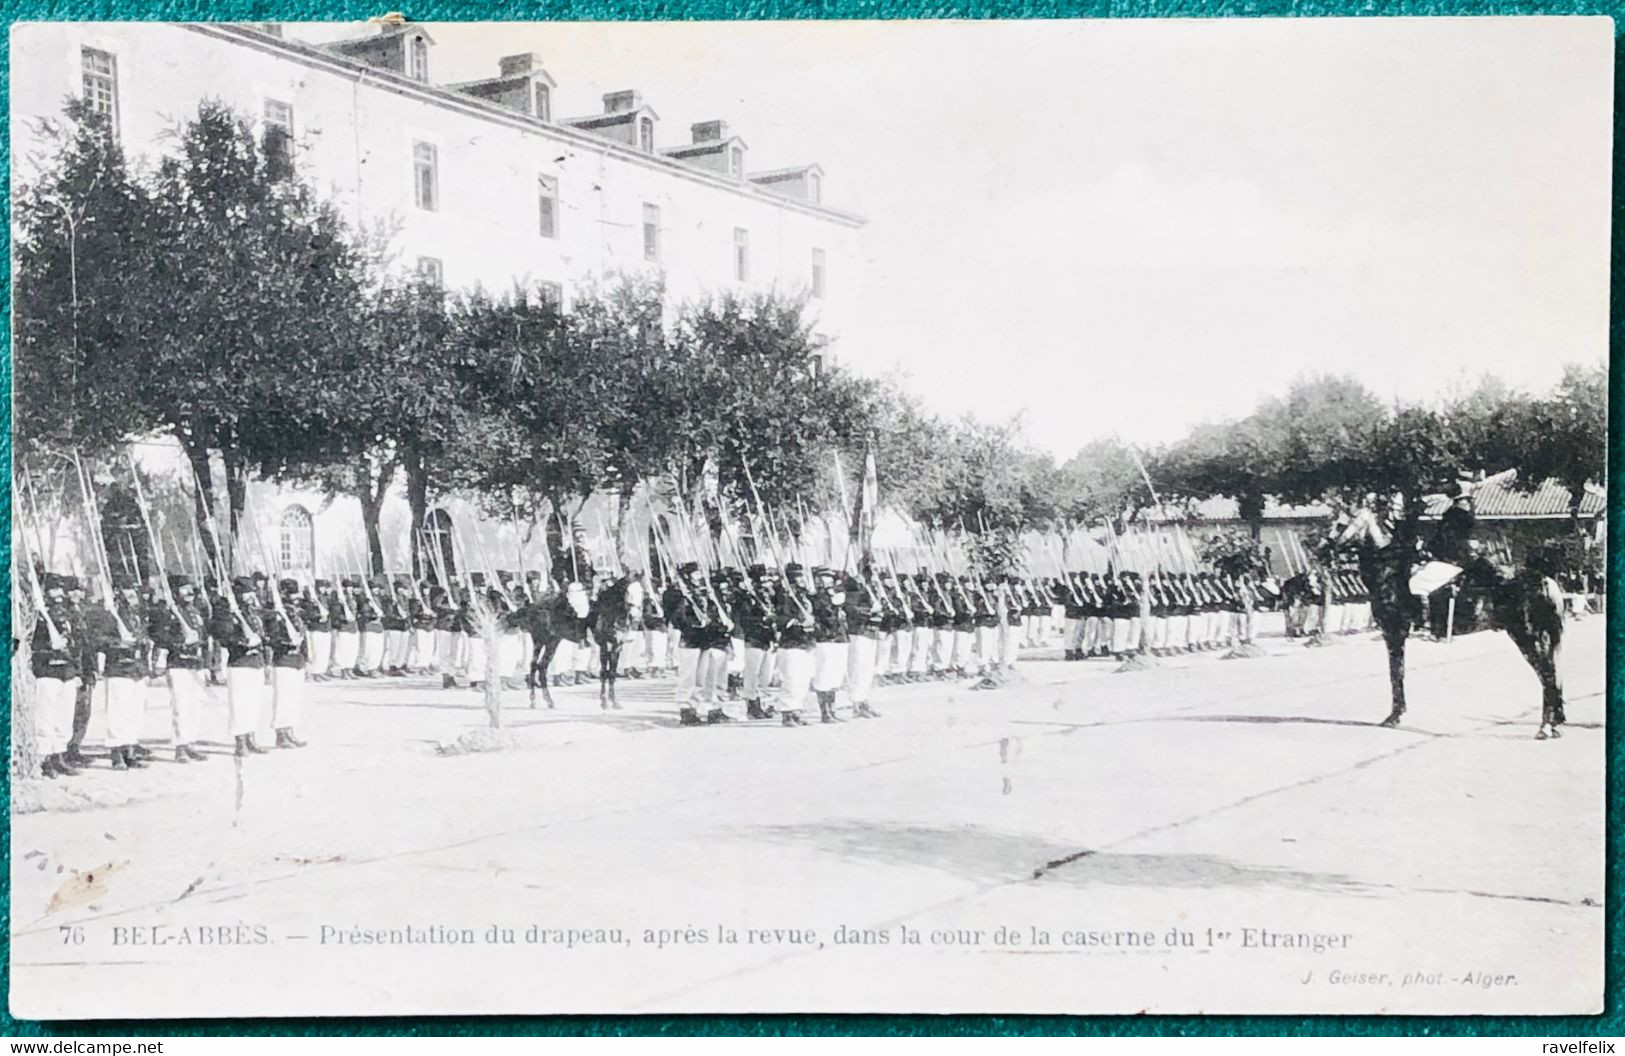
(547, 661)
(1393, 636)
(609, 656)
(530, 675)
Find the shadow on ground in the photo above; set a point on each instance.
(983, 856)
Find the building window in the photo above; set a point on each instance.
(552, 295)
(741, 254)
(547, 206)
(543, 107)
(815, 190)
(651, 231)
(426, 175)
(431, 272)
(278, 121)
(646, 134)
(297, 537)
(99, 76)
(736, 161)
(417, 59)
(818, 273)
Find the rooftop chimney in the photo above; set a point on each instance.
(517, 64)
(622, 101)
(709, 131)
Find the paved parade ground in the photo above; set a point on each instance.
(1209, 835)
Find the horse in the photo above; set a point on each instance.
(615, 612)
(552, 618)
(1524, 603)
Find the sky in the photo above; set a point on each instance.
(1130, 227)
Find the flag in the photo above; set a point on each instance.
(868, 501)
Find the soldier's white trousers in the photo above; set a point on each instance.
(346, 650)
(510, 652)
(693, 676)
(758, 671)
(319, 645)
(424, 654)
(372, 651)
(245, 697)
(796, 673)
(287, 696)
(862, 652)
(987, 647)
(474, 657)
(53, 713)
(942, 648)
(564, 659)
(396, 645)
(829, 666)
(919, 656)
(125, 710)
(965, 650)
(1091, 634)
(654, 650)
(1010, 644)
(901, 650)
(186, 695)
(736, 656)
(447, 649)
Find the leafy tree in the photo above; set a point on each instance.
(1563, 437)
(1102, 482)
(83, 301)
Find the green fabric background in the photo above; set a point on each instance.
(1608, 1024)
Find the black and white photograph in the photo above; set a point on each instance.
(1094, 517)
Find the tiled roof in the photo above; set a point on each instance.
(1499, 499)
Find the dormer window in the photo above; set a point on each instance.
(736, 161)
(542, 106)
(417, 59)
(646, 134)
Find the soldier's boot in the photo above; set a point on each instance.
(180, 754)
(718, 717)
(118, 760)
(132, 760)
(253, 746)
(689, 717)
(193, 754)
(286, 739)
(448, 681)
(240, 748)
(864, 711)
(826, 707)
(139, 751)
(753, 710)
(73, 757)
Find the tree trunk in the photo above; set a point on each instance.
(236, 491)
(197, 453)
(623, 524)
(372, 492)
(417, 500)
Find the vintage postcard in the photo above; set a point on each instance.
(1010, 517)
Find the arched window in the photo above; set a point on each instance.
(297, 540)
(437, 527)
